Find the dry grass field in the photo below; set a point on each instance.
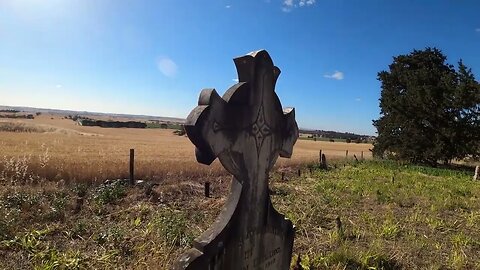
(59, 149)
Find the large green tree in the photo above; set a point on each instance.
(429, 111)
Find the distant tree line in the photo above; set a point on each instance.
(85, 121)
(429, 111)
(347, 136)
(9, 111)
(17, 116)
(112, 124)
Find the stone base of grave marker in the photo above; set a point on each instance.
(229, 244)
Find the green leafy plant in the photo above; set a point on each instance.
(110, 192)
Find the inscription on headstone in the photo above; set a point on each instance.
(247, 130)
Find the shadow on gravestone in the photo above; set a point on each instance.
(247, 130)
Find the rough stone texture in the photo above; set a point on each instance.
(247, 130)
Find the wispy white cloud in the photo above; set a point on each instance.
(228, 6)
(358, 99)
(306, 2)
(167, 67)
(477, 30)
(235, 80)
(289, 5)
(58, 86)
(337, 75)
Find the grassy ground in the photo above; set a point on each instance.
(422, 219)
(392, 217)
(115, 227)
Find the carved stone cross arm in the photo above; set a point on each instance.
(251, 107)
(247, 130)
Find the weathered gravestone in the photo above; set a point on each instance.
(247, 130)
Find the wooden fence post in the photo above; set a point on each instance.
(299, 172)
(361, 155)
(477, 172)
(346, 153)
(132, 168)
(320, 156)
(323, 162)
(207, 189)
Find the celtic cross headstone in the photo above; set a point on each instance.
(247, 130)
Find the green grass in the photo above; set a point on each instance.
(426, 218)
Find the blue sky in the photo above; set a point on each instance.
(154, 57)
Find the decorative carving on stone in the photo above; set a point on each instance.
(247, 130)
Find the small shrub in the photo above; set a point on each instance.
(80, 190)
(59, 200)
(180, 132)
(19, 200)
(110, 192)
(58, 203)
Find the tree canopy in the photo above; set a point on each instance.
(429, 111)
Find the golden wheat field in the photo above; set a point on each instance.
(55, 148)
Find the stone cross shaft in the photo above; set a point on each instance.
(247, 130)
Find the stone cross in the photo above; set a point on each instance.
(247, 130)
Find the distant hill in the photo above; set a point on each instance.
(92, 114)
